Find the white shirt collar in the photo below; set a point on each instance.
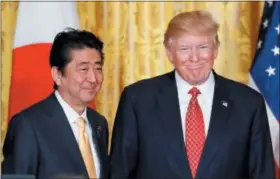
(70, 113)
(203, 88)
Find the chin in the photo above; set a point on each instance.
(200, 81)
(87, 98)
(195, 81)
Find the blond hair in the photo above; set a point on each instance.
(194, 23)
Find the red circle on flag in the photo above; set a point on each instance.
(31, 79)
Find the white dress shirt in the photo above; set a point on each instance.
(205, 99)
(72, 115)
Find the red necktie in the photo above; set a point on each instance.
(195, 134)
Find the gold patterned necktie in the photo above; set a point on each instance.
(85, 148)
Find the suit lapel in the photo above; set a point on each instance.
(61, 130)
(220, 111)
(171, 120)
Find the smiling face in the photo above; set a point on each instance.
(82, 77)
(193, 57)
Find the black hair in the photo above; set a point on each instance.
(72, 39)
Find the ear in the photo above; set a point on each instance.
(56, 75)
(169, 54)
(216, 50)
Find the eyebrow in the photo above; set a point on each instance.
(82, 63)
(183, 45)
(99, 62)
(204, 44)
(187, 45)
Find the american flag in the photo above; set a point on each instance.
(264, 73)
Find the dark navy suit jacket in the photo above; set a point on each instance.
(148, 140)
(40, 142)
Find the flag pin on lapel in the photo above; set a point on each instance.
(224, 103)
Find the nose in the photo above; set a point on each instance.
(91, 76)
(195, 56)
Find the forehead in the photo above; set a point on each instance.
(88, 55)
(188, 39)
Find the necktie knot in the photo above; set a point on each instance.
(194, 92)
(81, 122)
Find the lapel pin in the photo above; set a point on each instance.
(224, 103)
(99, 130)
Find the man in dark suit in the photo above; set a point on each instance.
(60, 136)
(191, 122)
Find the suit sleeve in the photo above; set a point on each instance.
(261, 162)
(20, 148)
(124, 148)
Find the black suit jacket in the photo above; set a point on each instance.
(148, 140)
(40, 142)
